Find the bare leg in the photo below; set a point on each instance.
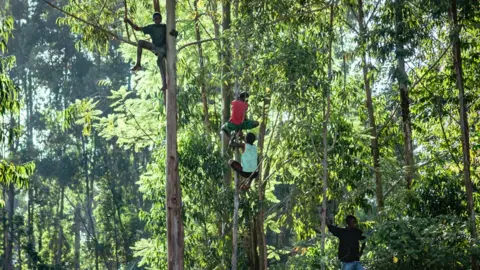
(161, 64)
(142, 44)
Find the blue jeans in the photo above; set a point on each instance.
(352, 266)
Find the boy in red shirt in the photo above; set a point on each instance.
(238, 120)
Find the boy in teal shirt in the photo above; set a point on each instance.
(248, 166)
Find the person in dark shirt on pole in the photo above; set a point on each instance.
(349, 251)
(157, 32)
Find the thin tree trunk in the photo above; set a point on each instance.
(156, 6)
(89, 201)
(40, 232)
(117, 211)
(371, 116)
(30, 206)
(213, 11)
(325, 134)
(216, 30)
(175, 233)
(77, 227)
(226, 84)
(19, 248)
(30, 232)
(457, 60)
(8, 255)
(115, 232)
(261, 240)
(58, 253)
(402, 79)
(226, 98)
(253, 242)
(236, 199)
(136, 172)
(236, 203)
(4, 225)
(203, 85)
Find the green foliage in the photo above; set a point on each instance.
(10, 173)
(16, 174)
(83, 113)
(9, 99)
(309, 256)
(421, 243)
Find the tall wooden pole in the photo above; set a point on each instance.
(402, 78)
(457, 61)
(156, 6)
(325, 134)
(226, 82)
(203, 85)
(175, 233)
(371, 116)
(236, 197)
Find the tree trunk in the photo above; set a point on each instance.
(4, 224)
(89, 201)
(371, 116)
(115, 232)
(174, 194)
(40, 232)
(77, 227)
(203, 85)
(226, 84)
(213, 11)
(402, 79)
(236, 203)
(117, 213)
(117, 207)
(457, 61)
(261, 241)
(253, 242)
(325, 134)
(30, 232)
(30, 205)
(156, 6)
(8, 255)
(58, 253)
(256, 243)
(19, 247)
(136, 172)
(89, 198)
(236, 199)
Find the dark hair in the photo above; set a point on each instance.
(244, 95)
(157, 14)
(350, 218)
(250, 138)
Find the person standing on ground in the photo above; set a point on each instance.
(349, 251)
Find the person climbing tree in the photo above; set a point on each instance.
(249, 161)
(157, 32)
(238, 120)
(349, 251)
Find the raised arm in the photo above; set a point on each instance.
(334, 230)
(133, 25)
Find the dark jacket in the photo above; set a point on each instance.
(349, 247)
